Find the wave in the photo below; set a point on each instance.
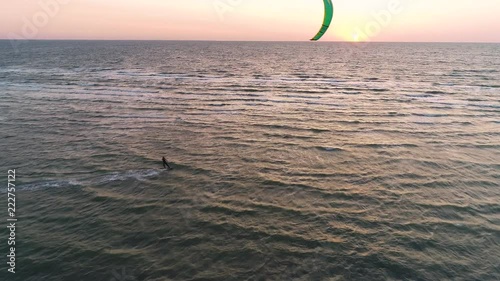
(385, 145)
(330, 149)
(137, 175)
(435, 92)
(49, 184)
(430, 115)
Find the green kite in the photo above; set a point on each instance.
(326, 21)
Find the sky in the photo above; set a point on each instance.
(251, 20)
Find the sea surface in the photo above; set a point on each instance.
(292, 161)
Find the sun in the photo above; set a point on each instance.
(355, 37)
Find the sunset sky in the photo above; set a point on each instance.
(289, 20)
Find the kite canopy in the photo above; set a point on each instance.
(326, 21)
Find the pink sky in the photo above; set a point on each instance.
(366, 20)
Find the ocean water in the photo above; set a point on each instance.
(292, 161)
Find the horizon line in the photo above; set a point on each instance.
(263, 41)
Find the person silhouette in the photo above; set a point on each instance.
(165, 164)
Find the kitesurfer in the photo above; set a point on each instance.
(165, 164)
